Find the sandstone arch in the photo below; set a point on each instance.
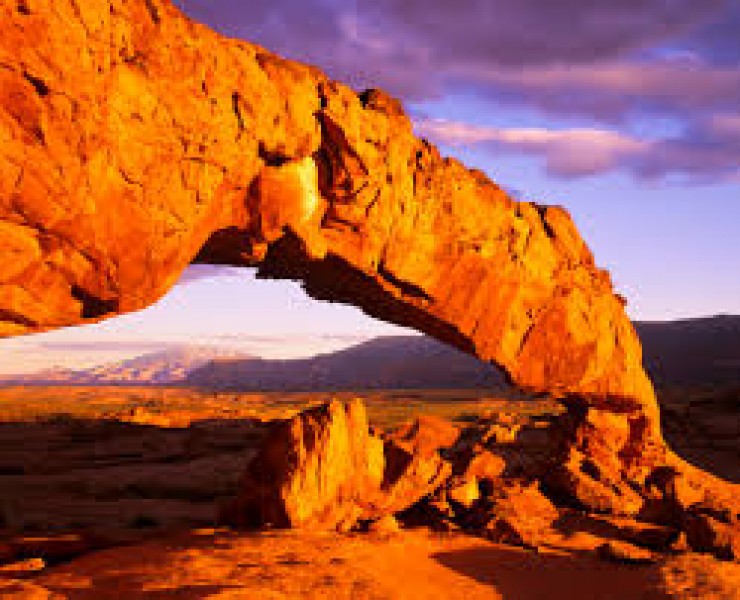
(134, 142)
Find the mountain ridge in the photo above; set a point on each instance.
(692, 351)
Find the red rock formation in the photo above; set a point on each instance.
(134, 142)
(324, 469)
(316, 470)
(518, 514)
(426, 434)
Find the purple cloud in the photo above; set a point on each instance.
(327, 33)
(611, 91)
(604, 62)
(567, 153)
(525, 33)
(411, 47)
(717, 40)
(711, 149)
(708, 151)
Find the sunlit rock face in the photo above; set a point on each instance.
(324, 469)
(135, 142)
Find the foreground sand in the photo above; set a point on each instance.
(409, 565)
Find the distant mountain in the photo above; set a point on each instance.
(167, 367)
(692, 352)
(403, 362)
(52, 376)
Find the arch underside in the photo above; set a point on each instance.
(133, 146)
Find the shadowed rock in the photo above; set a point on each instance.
(132, 146)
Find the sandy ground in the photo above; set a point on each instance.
(412, 565)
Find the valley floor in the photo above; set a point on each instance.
(111, 493)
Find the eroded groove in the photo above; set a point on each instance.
(12, 316)
(271, 158)
(94, 307)
(153, 11)
(405, 287)
(236, 107)
(42, 89)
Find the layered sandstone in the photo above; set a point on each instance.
(134, 142)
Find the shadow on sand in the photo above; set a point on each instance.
(527, 575)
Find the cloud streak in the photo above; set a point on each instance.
(87, 347)
(712, 149)
(412, 48)
(680, 87)
(526, 33)
(227, 340)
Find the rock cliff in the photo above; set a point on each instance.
(134, 142)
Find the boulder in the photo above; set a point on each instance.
(316, 470)
(426, 434)
(586, 467)
(647, 535)
(323, 469)
(14, 589)
(501, 433)
(464, 491)
(669, 494)
(518, 513)
(484, 465)
(23, 568)
(410, 474)
(580, 483)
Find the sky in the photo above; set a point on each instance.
(626, 113)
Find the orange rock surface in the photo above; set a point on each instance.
(323, 469)
(134, 142)
(316, 470)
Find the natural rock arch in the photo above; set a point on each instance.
(135, 141)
